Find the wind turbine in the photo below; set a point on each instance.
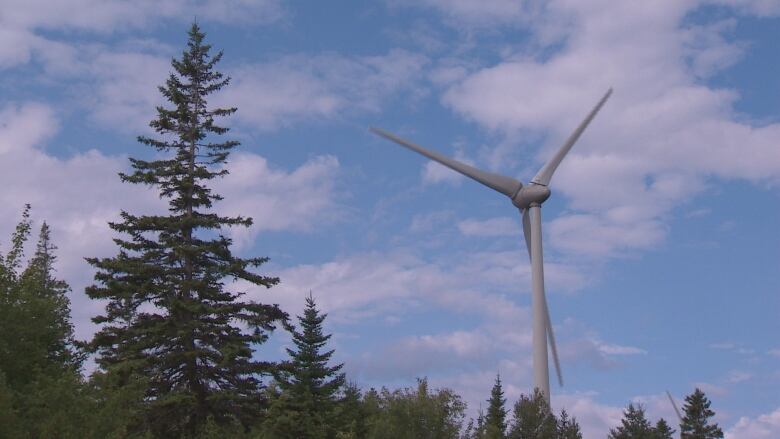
(528, 199)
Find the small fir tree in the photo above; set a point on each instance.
(662, 430)
(169, 316)
(567, 427)
(634, 425)
(495, 419)
(309, 386)
(696, 420)
(533, 418)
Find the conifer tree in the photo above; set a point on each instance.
(663, 430)
(634, 425)
(567, 427)
(696, 420)
(169, 316)
(39, 362)
(495, 419)
(533, 418)
(309, 386)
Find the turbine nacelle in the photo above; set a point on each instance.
(530, 195)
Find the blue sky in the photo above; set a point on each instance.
(662, 251)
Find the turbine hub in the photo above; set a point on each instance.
(532, 193)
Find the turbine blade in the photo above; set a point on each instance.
(553, 347)
(506, 185)
(674, 404)
(526, 230)
(545, 174)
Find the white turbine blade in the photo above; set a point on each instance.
(674, 404)
(553, 347)
(526, 230)
(506, 185)
(545, 174)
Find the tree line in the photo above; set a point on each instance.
(175, 351)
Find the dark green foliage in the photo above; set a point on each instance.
(169, 316)
(41, 391)
(308, 368)
(350, 414)
(696, 420)
(308, 387)
(634, 425)
(495, 420)
(663, 430)
(414, 414)
(533, 418)
(567, 427)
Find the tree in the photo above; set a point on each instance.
(567, 427)
(40, 383)
(414, 413)
(696, 420)
(309, 386)
(634, 425)
(533, 418)
(169, 315)
(351, 414)
(495, 419)
(663, 430)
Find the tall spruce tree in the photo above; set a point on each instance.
(634, 425)
(169, 316)
(696, 420)
(495, 419)
(533, 418)
(309, 386)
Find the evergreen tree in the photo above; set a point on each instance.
(309, 387)
(169, 316)
(495, 420)
(567, 427)
(634, 425)
(696, 421)
(351, 414)
(662, 430)
(39, 363)
(533, 418)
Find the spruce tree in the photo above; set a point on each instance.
(567, 427)
(662, 430)
(309, 386)
(533, 418)
(634, 425)
(495, 419)
(169, 316)
(696, 420)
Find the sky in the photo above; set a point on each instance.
(662, 253)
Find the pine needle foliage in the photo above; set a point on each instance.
(696, 422)
(169, 316)
(495, 419)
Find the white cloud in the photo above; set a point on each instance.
(321, 86)
(762, 427)
(277, 199)
(738, 376)
(23, 20)
(500, 226)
